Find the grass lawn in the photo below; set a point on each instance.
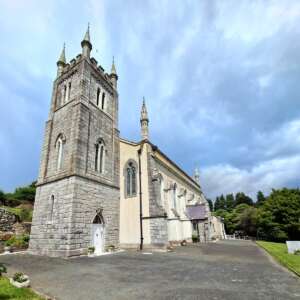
(9, 292)
(279, 252)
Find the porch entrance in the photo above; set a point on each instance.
(98, 234)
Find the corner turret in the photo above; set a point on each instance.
(86, 44)
(113, 74)
(61, 61)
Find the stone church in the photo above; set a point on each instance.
(96, 189)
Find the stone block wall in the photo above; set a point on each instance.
(159, 232)
(67, 231)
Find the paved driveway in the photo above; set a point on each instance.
(224, 270)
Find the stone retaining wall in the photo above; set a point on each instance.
(7, 220)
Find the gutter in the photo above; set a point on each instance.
(141, 198)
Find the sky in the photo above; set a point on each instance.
(221, 81)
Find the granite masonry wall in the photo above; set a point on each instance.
(64, 228)
(68, 199)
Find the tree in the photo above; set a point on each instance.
(222, 202)
(211, 205)
(260, 198)
(280, 215)
(2, 197)
(217, 204)
(248, 221)
(25, 193)
(229, 201)
(242, 198)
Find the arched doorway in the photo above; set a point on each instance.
(98, 232)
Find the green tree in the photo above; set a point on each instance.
(2, 197)
(222, 202)
(241, 198)
(280, 215)
(217, 204)
(25, 193)
(248, 221)
(229, 202)
(260, 198)
(211, 205)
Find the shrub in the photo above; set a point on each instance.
(2, 269)
(25, 215)
(18, 242)
(19, 277)
(5, 236)
(91, 249)
(297, 252)
(11, 202)
(26, 238)
(195, 238)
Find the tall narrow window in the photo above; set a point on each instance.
(101, 167)
(175, 196)
(98, 96)
(51, 207)
(133, 179)
(99, 157)
(162, 190)
(63, 94)
(59, 146)
(69, 91)
(130, 179)
(103, 101)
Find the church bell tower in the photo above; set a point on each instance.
(77, 197)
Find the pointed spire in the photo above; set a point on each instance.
(61, 61)
(113, 74)
(144, 122)
(62, 58)
(197, 175)
(87, 34)
(144, 113)
(86, 43)
(113, 67)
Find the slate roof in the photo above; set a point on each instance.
(196, 212)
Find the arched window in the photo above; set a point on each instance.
(130, 179)
(59, 147)
(103, 101)
(99, 157)
(98, 97)
(175, 196)
(51, 207)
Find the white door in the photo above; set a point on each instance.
(98, 238)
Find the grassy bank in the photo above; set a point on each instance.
(7, 291)
(279, 252)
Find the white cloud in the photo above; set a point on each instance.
(275, 173)
(285, 139)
